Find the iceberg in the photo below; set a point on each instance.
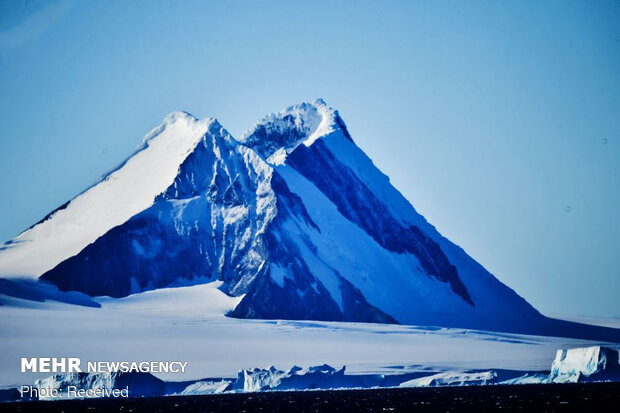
(452, 378)
(206, 387)
(596, 363)
(582, 364)
(296, 378)
(529, 378)
(139, 384)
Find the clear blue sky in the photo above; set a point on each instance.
(499, 121)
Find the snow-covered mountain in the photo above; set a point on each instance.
(294, 218)
(120, 194)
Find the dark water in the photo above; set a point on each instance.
(586, 397)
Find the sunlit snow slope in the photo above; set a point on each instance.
(121, 194)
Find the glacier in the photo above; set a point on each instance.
(292, 220)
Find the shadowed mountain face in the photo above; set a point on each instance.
(293, 216)
(356, 202)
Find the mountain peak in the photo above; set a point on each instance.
(279, 133)
(128, 189)
(176, 115)
(183, 119)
